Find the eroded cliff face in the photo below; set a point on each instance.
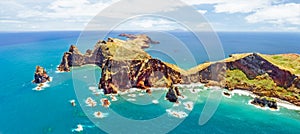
(74, 58)
(126, 65)
(254, 65)
(143, 74)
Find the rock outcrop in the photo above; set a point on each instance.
(40, 75)
(172, 94)
(126, 65)
(264, 102)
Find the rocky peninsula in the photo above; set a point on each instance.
(125, 64)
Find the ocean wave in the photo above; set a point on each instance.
(141, 94)
(177, 114)
(131, 99)
(41, 86)
(182, 97)
(90, 102)
(113, 98)
(177, 104)
(188, 105)
(100, 115)
(287, 105)
(243, 93)
(280, 102)
(155, 101)
(131, 95)
(194, 90)
(78, 129)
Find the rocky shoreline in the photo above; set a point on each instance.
(126, 65)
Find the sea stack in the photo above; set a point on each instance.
(172, 94)
(40, 75)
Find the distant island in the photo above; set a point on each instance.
(125, 65)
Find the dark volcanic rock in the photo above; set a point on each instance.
(172, 94)
(40, 75)
(264, 102)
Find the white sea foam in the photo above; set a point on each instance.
(194, 90)
(99, 114)
(189, 85)
(132, 90)
(41, 86)
(182, 97)
(113, 98)
(73, 103)
(131, 95)
(90, 102)
(78, 129)
(287, 105)
(177, 114)
(98, 93)
(155, 101)
(188, 105)
(59, 71)
(123, 93)
(131, 99)
(243, 93)
(158, 89)
(93, 88)
(176, 104)
(280, 103)
(141, 94)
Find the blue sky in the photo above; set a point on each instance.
(223, 15)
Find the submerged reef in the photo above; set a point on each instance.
(125, 64)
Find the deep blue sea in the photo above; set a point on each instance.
(23, 110)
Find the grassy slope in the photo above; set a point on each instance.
(264, 83)
(290, 62)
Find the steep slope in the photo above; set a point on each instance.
(125, 65)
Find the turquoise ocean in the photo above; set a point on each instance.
(23, 110)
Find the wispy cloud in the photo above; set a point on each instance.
(73, 15)
(278, 14)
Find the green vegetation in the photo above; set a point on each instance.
(290, 62)
(263, 83)
(237, 77)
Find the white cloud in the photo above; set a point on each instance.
(202, 11)
(11, 21)
(201, 2)
(73, 14)
(77, 8)
(278, 14)
(149, 23)
(233, 6)
(241, 6)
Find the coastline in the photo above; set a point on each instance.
(201, 86)
(280, 102)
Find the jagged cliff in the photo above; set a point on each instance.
(125, 65)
